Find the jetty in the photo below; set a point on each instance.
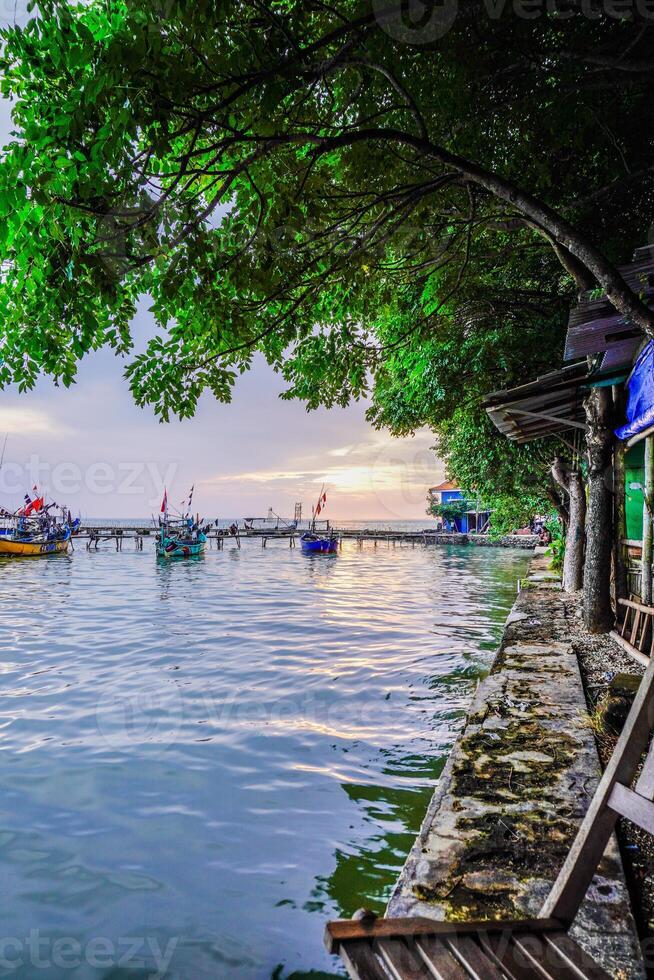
(94, 535)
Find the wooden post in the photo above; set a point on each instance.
(648, 492)
(593, 835)
(619, 502)
(598, 613)
(619, 521)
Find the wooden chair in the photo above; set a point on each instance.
(422, 949)
(635, 633)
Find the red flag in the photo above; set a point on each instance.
(164, 502)
(318, 509)
(37, 504)
(324, 498)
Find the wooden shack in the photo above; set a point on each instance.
(601, 348)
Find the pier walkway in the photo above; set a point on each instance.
(94, 535)
(515, 789)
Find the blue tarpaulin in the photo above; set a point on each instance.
(640, 397)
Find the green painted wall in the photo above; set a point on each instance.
(634, 473)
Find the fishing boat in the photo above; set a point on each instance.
(180, 536)
(270, 526)
(35, 530)
(319, 542)
(37, 545)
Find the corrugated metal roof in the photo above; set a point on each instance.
(549, 405)
(596, 326)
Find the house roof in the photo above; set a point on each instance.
(544, 407)
(605, 339)
(448, 485)
(596, 327)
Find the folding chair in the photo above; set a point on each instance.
(422, 949)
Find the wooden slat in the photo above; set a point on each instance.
(546, 958)
(641, 658)
(596, 828)
(632, 806)
(472, 957)
(342, 930)
(573, 954)
(514, 963)
(442, 965)
(403, 962)
(635, 604)
(649, 431)
(645, 785)
(361, 962)
(505, 955)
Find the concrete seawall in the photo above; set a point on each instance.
(516, 786)
(526, 542)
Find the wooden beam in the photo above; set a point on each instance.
(641, 658)
(640, 436)
(597, 826)
(631, 604)
(346, 930)
(633, 806)
(548, 418)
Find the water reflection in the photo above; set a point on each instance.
(223, 753)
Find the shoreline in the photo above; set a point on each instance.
(516, 785)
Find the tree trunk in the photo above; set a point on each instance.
(598, 614)
(558, 502)
(573, 561)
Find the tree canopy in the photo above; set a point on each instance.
(368, 205)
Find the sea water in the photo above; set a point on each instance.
(203, 761)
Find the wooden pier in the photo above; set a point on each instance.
(94, 536)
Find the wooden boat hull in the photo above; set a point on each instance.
(189, 549)
(319, 546)
(23, 549)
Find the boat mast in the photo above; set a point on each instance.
(316, 510)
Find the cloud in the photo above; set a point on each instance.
(342, 451)
(376, 468)
(29, 421)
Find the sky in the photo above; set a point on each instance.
(91, 448)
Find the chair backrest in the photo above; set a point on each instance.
(635, 633)
(614, 797)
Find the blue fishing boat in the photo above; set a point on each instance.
(180, 536)
(178, 545)
(317, 542)
(324, 544)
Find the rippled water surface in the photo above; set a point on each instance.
(203, 761)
